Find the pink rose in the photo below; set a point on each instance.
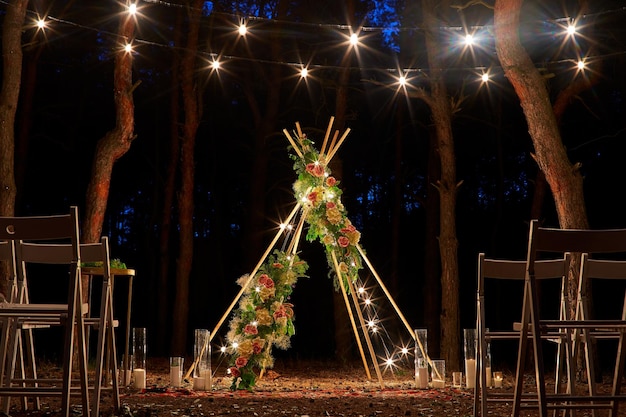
(250, 329)
(330, 205)
(269, 283)
(343, 241)
(234, 372)
(348, 229)
(312, 197)
(240, 362)
(331, 181)
(316, 170)
(263, 278)
(256, 348)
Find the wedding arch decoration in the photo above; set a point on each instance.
(264, 316)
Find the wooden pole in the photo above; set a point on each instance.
(330, 126)
(354, 328)
(256, 268)
(366, 335)
(295, 147)
(332, 152)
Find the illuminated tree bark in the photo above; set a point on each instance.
(115, 143)
(11, 80)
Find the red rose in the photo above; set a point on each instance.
(269, 283)
(250, 329)
(240, 362)
(348, 229)
(331, 181)
(263, 278)
(234, 372)
(315, 169)
(330, 205)
(343, 241)
(312, 197)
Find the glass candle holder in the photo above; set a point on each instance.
(438, 373)
(488, 364)
(176, 371)
(421, 358)
(139, 357)
(202, 378)
(469, 349)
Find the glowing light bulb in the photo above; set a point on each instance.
(581, 65)
(368, 301)
(304, 72)
(243, 29)
(132, 8)
(571, 29)
(223, 349)
(215, 65)
(255, 323)
(469, 39)
(257, 289)
(361, 290)
(402, 80)
(235, 345)
(128, 48)
(389, 362)
(405, 351)
(484, 78)
(41, 24)
(354, 39)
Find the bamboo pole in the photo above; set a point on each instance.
(332, 152)
(256, 268)
(295, 147)
(299, 130)
(330, 126)
(355, 300)
(354, 328)
(332, 144)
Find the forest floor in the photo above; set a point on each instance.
(296, 389)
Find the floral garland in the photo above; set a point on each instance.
(327, 217)
(264, 318)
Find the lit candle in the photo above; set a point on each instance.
(140, 378)
(439, 383)
(175, 376)
(497, 379)
(199, 383)
(421, 378)
(470, 372)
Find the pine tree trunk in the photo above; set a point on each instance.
(185, 197)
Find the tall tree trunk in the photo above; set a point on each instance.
(193, 110)
(447, 187)
(343, 334)
(167, 211)
(116, 142)
(11, 79)
(565, 180)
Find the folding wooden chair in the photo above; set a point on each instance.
(550, 240)
(509, 275)
(22, 313)
(596, 327)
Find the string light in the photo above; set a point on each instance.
(470, 39)
(41, 24)
(128, 48)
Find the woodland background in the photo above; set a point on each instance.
(226, 184)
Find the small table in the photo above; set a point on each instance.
(119, 272)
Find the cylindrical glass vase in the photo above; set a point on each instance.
(139, 357)
(202, 378)
(469, 349)
(421, 358)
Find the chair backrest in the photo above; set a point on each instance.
(515, 271)
(600, 270)
(543, 239)
(59, 233)
(7, 255)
